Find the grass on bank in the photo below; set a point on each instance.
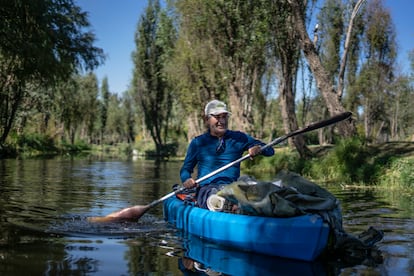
(40, 145)
(348, 162)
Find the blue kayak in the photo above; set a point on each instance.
(301, 238)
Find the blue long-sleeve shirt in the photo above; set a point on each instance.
(205, 153)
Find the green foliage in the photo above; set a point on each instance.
(46, 39)
(380, 33)
(167, 150)
(284, 159)
(331, 24)
(118, 151)
(103, 107)
(41, 42)
(155, 38)
(220, 54)
(399, 174)
(73, 148)
(353, 161)
(36, 142)
(76, 104)
(348, 161)
(88, 104)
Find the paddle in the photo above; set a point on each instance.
(135, 212)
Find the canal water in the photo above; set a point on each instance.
(44, 206)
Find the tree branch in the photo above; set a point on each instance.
(344, 58)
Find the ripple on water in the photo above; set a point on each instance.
(80, 226)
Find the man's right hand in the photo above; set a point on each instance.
(189, 183)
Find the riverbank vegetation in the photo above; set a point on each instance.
(349, 163)
(276, 72)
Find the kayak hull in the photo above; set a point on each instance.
(302, 238)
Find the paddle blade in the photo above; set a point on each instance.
(130, 213)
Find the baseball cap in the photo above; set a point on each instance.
(215, 107)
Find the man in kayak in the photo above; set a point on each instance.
(215, 148)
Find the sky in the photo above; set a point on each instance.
(114, 24)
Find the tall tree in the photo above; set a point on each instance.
(196, 69)
(355, 49)
(40, 41)
(104, 108)
(323, 80)
(287, 54)
(130, 117)
(223, 57)
(341, 28)
(330, 34)
(115, 131)
(401, 113)
(377, 72)
(68, 107)
(88, 94)
(155, 37)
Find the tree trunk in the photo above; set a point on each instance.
(72, 134)
(324, 84)
(14, 98)
(195, 128)
(240, 101)
(290, 123)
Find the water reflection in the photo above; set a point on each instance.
(201, 256)
(44, 205)
(390, 211)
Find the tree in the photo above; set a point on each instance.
(377, 74)
(89, 106)
(116, 120)
(68, 107)
(154, 40)
(401, 114)
(221, 54)
(121, 119)
(40, 42)
(287, 53)
(355, 49)
(331, 31)
(323, 80)
(104, 104)
(130, 117)
(330, 34)
(196, 69)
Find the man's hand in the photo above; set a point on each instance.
(253, 151)
(189, 183)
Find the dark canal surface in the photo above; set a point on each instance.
(44, 205)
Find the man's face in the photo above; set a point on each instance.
(218, 124)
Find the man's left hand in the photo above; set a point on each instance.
(253, 151)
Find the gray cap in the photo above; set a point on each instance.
(215, 107)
